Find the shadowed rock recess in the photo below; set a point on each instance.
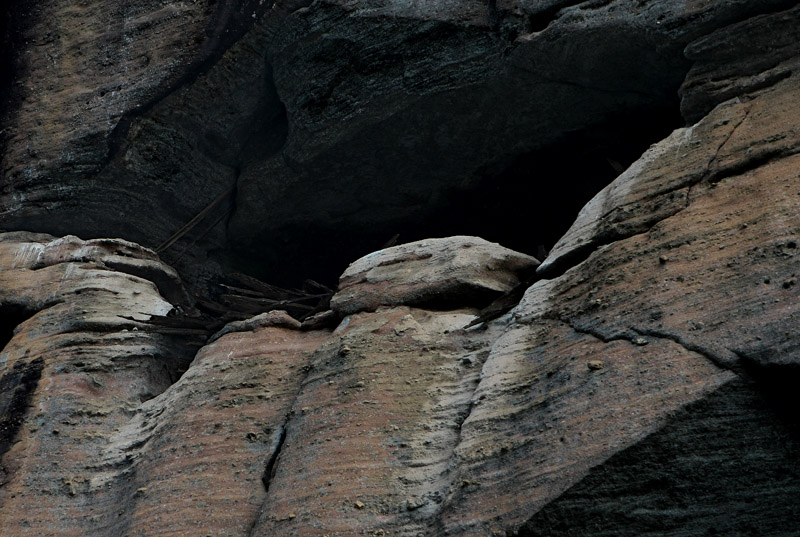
(618, 354)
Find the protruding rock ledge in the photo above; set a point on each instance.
(439, 273)
(269, 318)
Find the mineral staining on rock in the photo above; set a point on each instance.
(643, 385)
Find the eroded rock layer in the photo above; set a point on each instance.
(641, 380)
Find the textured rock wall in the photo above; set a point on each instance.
(75, 371)
(640, 381)
(346, 120)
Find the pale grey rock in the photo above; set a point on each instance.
(466, 271)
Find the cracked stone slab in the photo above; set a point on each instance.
(719, 276)
(552, 404)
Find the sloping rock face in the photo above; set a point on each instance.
(645, 384)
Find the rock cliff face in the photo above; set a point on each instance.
(641, 380)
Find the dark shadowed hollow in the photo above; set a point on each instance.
(526, 203)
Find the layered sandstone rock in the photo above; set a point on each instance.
(437, 273)
(643, 385)
(351, 121)
(77, 366)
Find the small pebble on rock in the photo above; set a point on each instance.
(595, 365)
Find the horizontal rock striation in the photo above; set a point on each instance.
(347, 121)
(640, 381)
(76, 367)
(437, 273)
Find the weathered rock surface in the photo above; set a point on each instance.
(349, 121)
(78, 364)
(738, 59)
(434, 273)
(199, 457)
(644, 385)
(696, 289)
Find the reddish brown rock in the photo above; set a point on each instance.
(201, 454)
(738, 135)
(376, 457)
(645, 386)
(699, 291)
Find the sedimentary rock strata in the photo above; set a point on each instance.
(639, 381)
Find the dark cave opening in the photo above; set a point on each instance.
(11, 316)
(17, 383)
(526, 202)
(531, 202)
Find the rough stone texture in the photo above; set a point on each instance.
(738, 59)
(345, 120)
(553, 403)
(73, 371)
(433, 272)
(270, 318)
(716, 274)
(82, 131)
(737, 136)
(197, 459)
(644, 385)
(376, 458)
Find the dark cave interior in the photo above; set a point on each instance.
(10, 317)
(526, 203)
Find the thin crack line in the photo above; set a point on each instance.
(453, 466)
(714, 157)
(691, 347)
(271, 467)
(582, 253)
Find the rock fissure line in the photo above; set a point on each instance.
(710, 356)
(581, 253)
(269, 469)
(727, 139)
(453, 467)
(753, 163)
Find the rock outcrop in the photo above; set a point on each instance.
(639, 381)
(79, 362)
(434, 273)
